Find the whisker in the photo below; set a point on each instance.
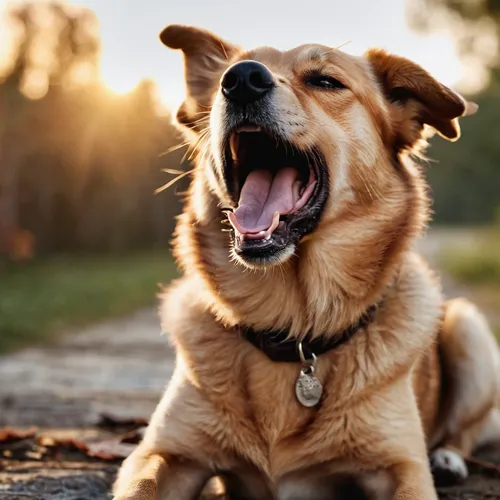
(343, 44)
(224, 50)
(173, 148)
(173, 181)
(172, 171)
(199, 120)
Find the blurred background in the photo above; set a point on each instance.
(91, 176)
(87, 94)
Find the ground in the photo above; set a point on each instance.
(117, 368)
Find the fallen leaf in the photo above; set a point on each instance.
(108, 421)
(133, 437)
(111, 449)
(9, 435)
(67, 444)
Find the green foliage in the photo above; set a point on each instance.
(79, 169)
(475, 263)
(478, 264)
(466, 181)
(42, 299)
(80, 165)
(465, 176)
(474, 24)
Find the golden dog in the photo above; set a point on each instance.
(314, 347)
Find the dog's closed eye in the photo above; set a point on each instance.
(324, 81)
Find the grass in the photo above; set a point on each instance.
(477, 266)
(42, 299)
(478, 263)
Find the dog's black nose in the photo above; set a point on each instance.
(246, 82)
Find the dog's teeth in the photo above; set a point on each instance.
(234, 141)
(268, 237)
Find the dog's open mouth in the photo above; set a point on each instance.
(280, 191)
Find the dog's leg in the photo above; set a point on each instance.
(470, 361)
(490, 431)
(149, 476)
(397, 448)
(163, 466)
(413, 481)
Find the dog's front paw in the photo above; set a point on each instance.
(144, 489)
(448, 467)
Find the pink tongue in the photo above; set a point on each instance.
(262, 196)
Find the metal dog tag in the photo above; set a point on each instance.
(308, 388)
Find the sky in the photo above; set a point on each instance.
(132, 50)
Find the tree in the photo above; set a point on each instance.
(465, 181)
(78, 164)
(12, 117)
(474, 24)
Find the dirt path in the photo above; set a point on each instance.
(119, 367)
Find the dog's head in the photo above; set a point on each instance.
(297, 139)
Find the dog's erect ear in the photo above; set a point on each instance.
(206, 56)
(417, 99)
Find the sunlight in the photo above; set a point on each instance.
(131, 50)
(8, 38)
(119, 86)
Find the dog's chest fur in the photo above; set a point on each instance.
(247, 405)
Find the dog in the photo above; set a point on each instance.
(314, 346)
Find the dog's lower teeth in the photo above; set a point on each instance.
(268, 237)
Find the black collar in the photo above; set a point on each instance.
(276, 346)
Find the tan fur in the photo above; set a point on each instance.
(228, 409)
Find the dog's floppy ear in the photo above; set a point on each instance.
(417, 99)
(206, 56)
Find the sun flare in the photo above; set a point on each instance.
(119, 86)
(131, 51)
